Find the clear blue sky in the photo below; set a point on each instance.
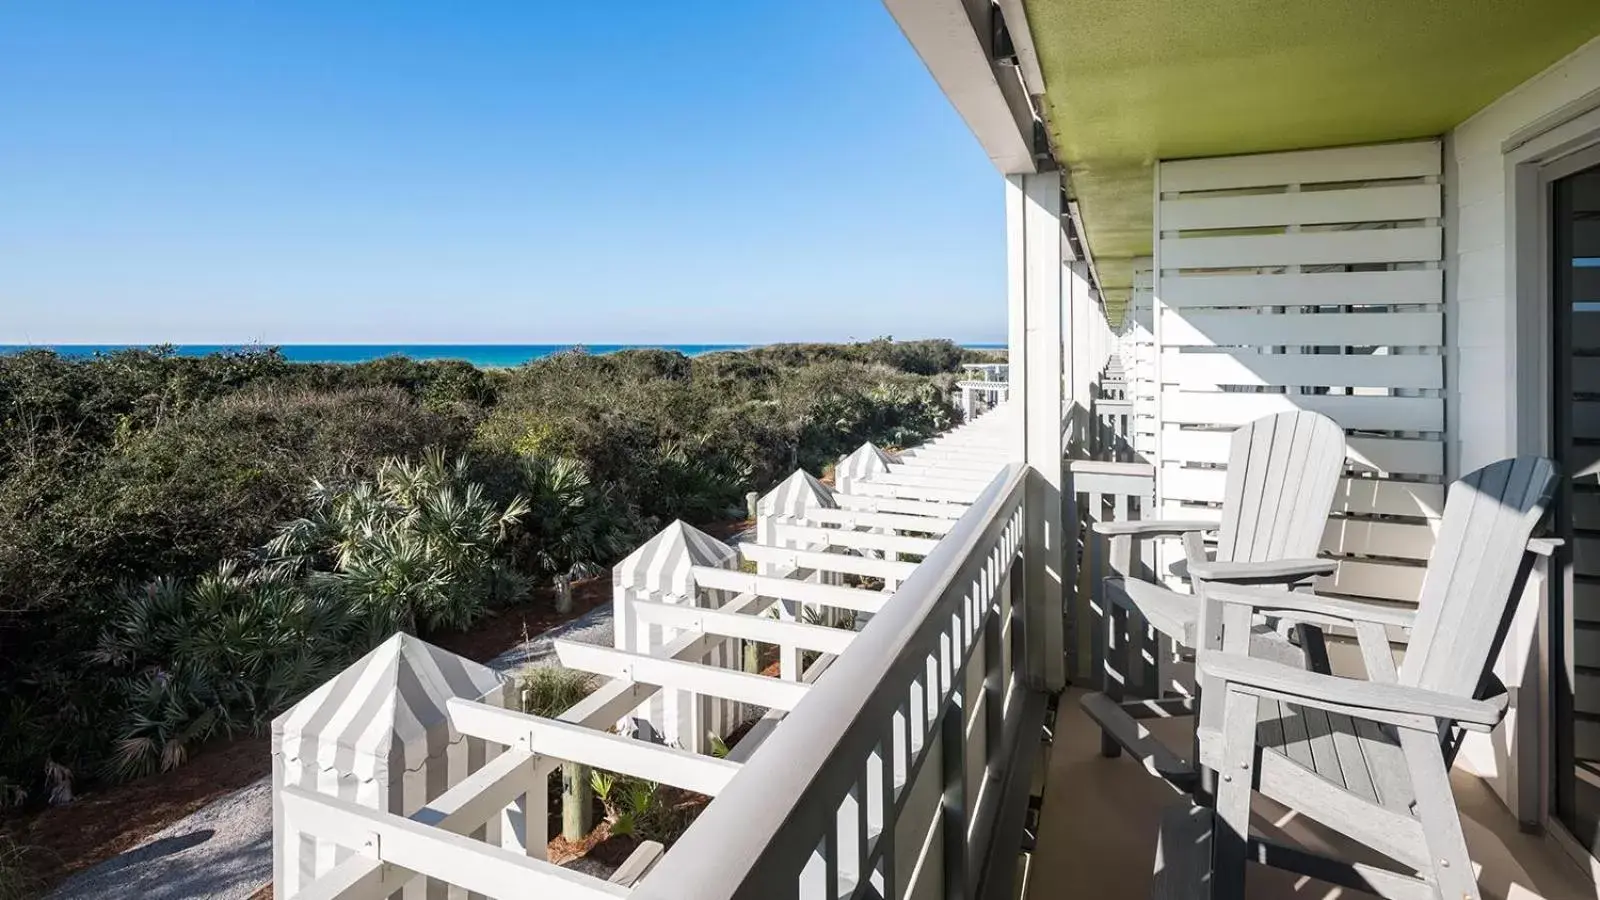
(514, 172)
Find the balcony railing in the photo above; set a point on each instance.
(899, 760)
(894, 768)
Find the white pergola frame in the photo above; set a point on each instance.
(860, 533)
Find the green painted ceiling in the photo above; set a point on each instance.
(1128, 82)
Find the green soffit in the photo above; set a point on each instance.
(1128, 82)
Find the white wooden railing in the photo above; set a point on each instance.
(892, 770)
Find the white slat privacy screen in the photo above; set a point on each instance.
(1309, 280)
(1140, 331)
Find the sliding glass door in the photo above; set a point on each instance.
(1575, 357)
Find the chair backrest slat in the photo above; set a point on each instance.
(1283, 471)
(1479, 565)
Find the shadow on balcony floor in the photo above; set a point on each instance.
(1097, 836)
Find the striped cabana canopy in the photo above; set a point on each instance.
(662, 564)
(377, 735)
(796, 494)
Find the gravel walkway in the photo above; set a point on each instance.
(224, 851)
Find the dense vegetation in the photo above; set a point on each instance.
(187, 545)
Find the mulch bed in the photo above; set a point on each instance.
(724, 530)
(506, 628)
(100, 824)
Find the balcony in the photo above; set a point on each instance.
(918, 752)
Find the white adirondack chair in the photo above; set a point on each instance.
(1283, 471)
(1370, 759)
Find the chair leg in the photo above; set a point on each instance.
(1230, 840)
(1114, 667)
(1436, 809)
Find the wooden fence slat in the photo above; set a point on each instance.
(1229, 329)
(1355, 496)
(1382, 456)
(1368, 204)
(1411, 159)
(1205, 371)
(1384, 581)
(1396, 287)
(1368, 413)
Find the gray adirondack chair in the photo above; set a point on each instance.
(1283, 471)
(1370, 759)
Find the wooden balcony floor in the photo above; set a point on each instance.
(1097, 836)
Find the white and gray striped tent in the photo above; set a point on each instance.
(662, 571)
(378, 735)
(867, 460)
(662, 564)
(796, 494)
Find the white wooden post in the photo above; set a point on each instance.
(662, 571)
(1035, 267)
(788, 502)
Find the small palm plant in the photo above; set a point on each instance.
(195, 659)
(572, 526)
(633, 805)
(414, 549)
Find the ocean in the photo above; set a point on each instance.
(482, 355)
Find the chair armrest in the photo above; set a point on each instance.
(1153, 527)
(1198, 564)
(1545, 546)
(1365, 699)
(1261, 599)
(1275, 570)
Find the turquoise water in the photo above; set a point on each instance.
(486, 355)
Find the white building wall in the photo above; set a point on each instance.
(1479, 250)
(1482, 321)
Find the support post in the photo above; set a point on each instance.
(577, 801)
(1035, 268)
(1080, 624)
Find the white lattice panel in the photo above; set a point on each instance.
(1309, 280)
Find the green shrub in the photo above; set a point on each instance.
(168, 473)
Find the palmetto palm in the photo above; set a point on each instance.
(221, 653)
(572, 526)
(414, 548)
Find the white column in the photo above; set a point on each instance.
(1081, 363)
(1034, 287)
